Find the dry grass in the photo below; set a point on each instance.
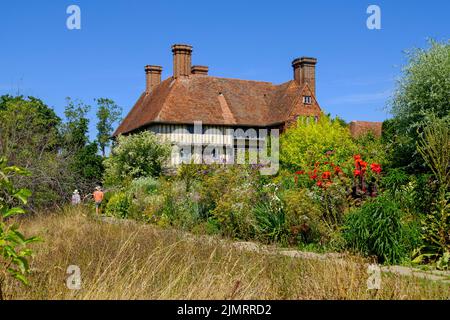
(143, 262)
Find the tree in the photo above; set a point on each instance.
(30, 137)
(75, 130)
(108, 113)
(135, 156)
(85, 163)
(424, 89)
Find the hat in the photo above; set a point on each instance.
(76, 191)
(98, 188)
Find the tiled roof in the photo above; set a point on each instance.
(214, 101)
(358, 128)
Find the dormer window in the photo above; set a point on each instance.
(307, 99)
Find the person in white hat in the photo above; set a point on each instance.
(76, 199)
(98, 198)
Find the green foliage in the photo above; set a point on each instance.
(119, 205)
(85, 164)
(307, 142)
(135, 156)
(434, 146)
(76, 128)
(228, 194)
(108, 113)
(30, 137)
(270, 218)
(303, 216)
(14, 252)
(423, 89)
(89, 165)
(377, 229)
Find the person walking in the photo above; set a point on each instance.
(98, 198)
(76, 199)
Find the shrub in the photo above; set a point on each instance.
(135, 156)
(377, 229)
(434, 146)
(14, 252)
(119, 205)
(228, 194)
(270, 217)
(308, 142)
(303, 216)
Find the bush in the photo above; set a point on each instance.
(14, 249)
(377, 229)
(308, 142)
(119, 205)
(434, 146)
(136, 156)
(228, 194)
(303, 216)
(270, 217)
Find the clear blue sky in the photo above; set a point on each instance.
(254, 40)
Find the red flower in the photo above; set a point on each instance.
(300, 172)
(313, 176)
(357, 172)
(319, 184)
(326, 175)
(337, 170)
(357, 157)
(375, 167)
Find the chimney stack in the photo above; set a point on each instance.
(202, 70)
(153, 77)
(305, 72)
(181, 60)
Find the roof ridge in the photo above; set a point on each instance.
(243, 80)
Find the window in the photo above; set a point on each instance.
(190, 128)
(307, 99)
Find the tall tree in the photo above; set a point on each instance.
(85, 163)
(423, 90)
(108, 113)
(75, 130)
(30, 138)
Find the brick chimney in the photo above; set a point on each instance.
(202, 70)
(181, 60)
(153, 77)
(305, 72)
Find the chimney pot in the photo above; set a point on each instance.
(202, 70)
(305, 72)
(153, 77)
(181, 60)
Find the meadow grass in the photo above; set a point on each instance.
(138, 261)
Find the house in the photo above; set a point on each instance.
(200, 113)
